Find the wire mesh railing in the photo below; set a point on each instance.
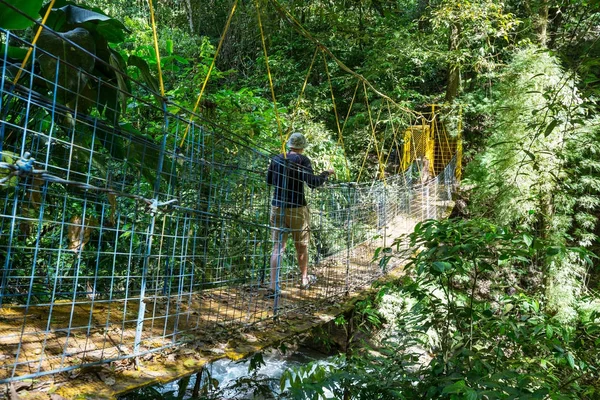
(115, 241)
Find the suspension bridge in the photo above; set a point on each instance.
(117, 246)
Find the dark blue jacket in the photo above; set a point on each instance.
(288, 175)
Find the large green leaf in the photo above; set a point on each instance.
(11, 19)
(71, 16)
(80, 15)
(16, 53)
(70, 80)
(111, 102)
(117, 62)
(108, 103)
(146, 157)
(146, 75)
(112, 30)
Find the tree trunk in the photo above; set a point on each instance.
(454, 68)
(542, 23)
(555, 18)
(190, 15)
(361, 26)
(422, 6)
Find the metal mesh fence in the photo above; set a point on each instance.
(429, 145)
(115, 243)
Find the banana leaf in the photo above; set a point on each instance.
(13, 52)
(11, 19)
(69, 80)
(146, 75)
(70, 16)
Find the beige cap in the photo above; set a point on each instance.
(297, 141)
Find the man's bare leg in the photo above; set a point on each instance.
(302, 252)
(278, 250)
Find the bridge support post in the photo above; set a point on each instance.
(348, 236)
(385, 216)
(278, 272)
(427, 202)
(142, 307)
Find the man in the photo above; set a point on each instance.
(289, 211)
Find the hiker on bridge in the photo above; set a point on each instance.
(289, 210)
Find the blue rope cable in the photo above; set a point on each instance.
(2, 81)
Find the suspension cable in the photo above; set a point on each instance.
(395, 131)
(264, 46)
(350, 107)
(362, 167)
(156, 51)
(373, 139)
(337, 119)
(376, 144)
(210, 69)
(34, 41)
(286, 15)
(289, 132)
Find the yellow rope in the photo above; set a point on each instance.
(351, 104)
(210, 69)
(341, 138)
(337, 119)
(459, 145)
(394, 142)
(373, 140)
(406, 154)
(155, 36)
(366, 152)
(430, 142)
(362, 167)
(376, 144)
(264, 46)
(303, 31)
(443, 150)
(289, 132)
(423, 133)
(377, 120)
(34, 41)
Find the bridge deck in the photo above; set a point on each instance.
(34, 340)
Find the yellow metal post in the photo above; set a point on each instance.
(406, 154)
(430, 143)
(459, 146)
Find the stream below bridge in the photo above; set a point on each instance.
(230, 379)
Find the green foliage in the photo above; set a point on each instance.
(457, 331)
(12, 19)
(484, 28)
(309, 382)
(519, 172)
(578, 195)
(538, 168)
(449, 338)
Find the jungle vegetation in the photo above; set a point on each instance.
(502, 300)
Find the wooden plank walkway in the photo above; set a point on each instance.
(219, 322)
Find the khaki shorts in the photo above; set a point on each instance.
(295, 220)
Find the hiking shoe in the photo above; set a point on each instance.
(311, 281)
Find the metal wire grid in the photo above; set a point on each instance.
(445, 146)
(114, 242)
